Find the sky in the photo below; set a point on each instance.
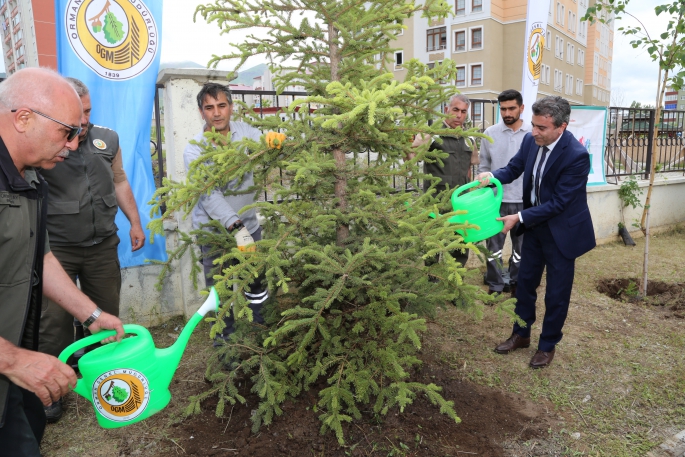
(634, 75)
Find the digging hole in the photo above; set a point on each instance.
(669, 295)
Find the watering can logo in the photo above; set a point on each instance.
(129, 381)
(121, 395)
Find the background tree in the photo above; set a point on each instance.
(668, 50)
(618, 97)
(346, 249)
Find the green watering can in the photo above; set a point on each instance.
(482, 209)
(128, 381)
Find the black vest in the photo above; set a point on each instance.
(83, 203)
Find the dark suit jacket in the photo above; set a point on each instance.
(563, 193)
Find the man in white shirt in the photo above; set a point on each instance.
(507, 136)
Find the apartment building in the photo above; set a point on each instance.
(674, 99)
(28, 34)
(485, 38)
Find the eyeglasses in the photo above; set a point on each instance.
(73, 131)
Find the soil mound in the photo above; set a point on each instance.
(489, 419)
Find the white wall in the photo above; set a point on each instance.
(667, 208)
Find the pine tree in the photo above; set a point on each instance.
(347, 252)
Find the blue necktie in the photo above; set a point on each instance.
(538, 174)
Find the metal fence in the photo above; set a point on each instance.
(629, 150)
(631, 146)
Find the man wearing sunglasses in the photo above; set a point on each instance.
(85, 194)
(39, 112)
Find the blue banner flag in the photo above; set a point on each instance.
(113, 46)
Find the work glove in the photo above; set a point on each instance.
(244, 240)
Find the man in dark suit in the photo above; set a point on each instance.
(555, 219)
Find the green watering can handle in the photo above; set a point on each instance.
(97, 337)
(467, 186)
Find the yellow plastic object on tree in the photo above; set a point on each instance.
(275, 139)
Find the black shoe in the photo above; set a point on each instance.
(54, 412)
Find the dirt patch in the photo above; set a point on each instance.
(669, 295)
(489, 420)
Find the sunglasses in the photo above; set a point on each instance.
(73, 131)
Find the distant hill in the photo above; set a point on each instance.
(183, 64)
(247, 76)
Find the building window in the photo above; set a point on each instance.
(461, 77)
(477, 6)
(682, 97)
(561, 48)
(476, 112)
(436, 39)
(558, 80)
(581, 57)
(399, 32)
(556, 47)
(569, 85)
(460, 41)
(548, 41)
(544, 74)
(563, 14)
(399, 60)
(16, 20)
(579, 86)
(476, 75)
(477, 38)
(558, 13)
(460, 7)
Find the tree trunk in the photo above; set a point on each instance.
(643, 288)
(644, 223)
(343, 230)
(652, 165)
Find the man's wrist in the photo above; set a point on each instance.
(92, 318)
(236, 226)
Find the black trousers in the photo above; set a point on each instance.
(99, 273)
(540, 253)
(24, 424)
(257, 295)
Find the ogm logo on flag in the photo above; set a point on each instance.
(117, 39)
(536, 43)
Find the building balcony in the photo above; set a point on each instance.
(7, 37)
(18, 43)
(16, 28)
(3, 8)
(10, 69)
(8, 53)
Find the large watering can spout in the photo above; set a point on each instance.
(171, 356)
(129, 381)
